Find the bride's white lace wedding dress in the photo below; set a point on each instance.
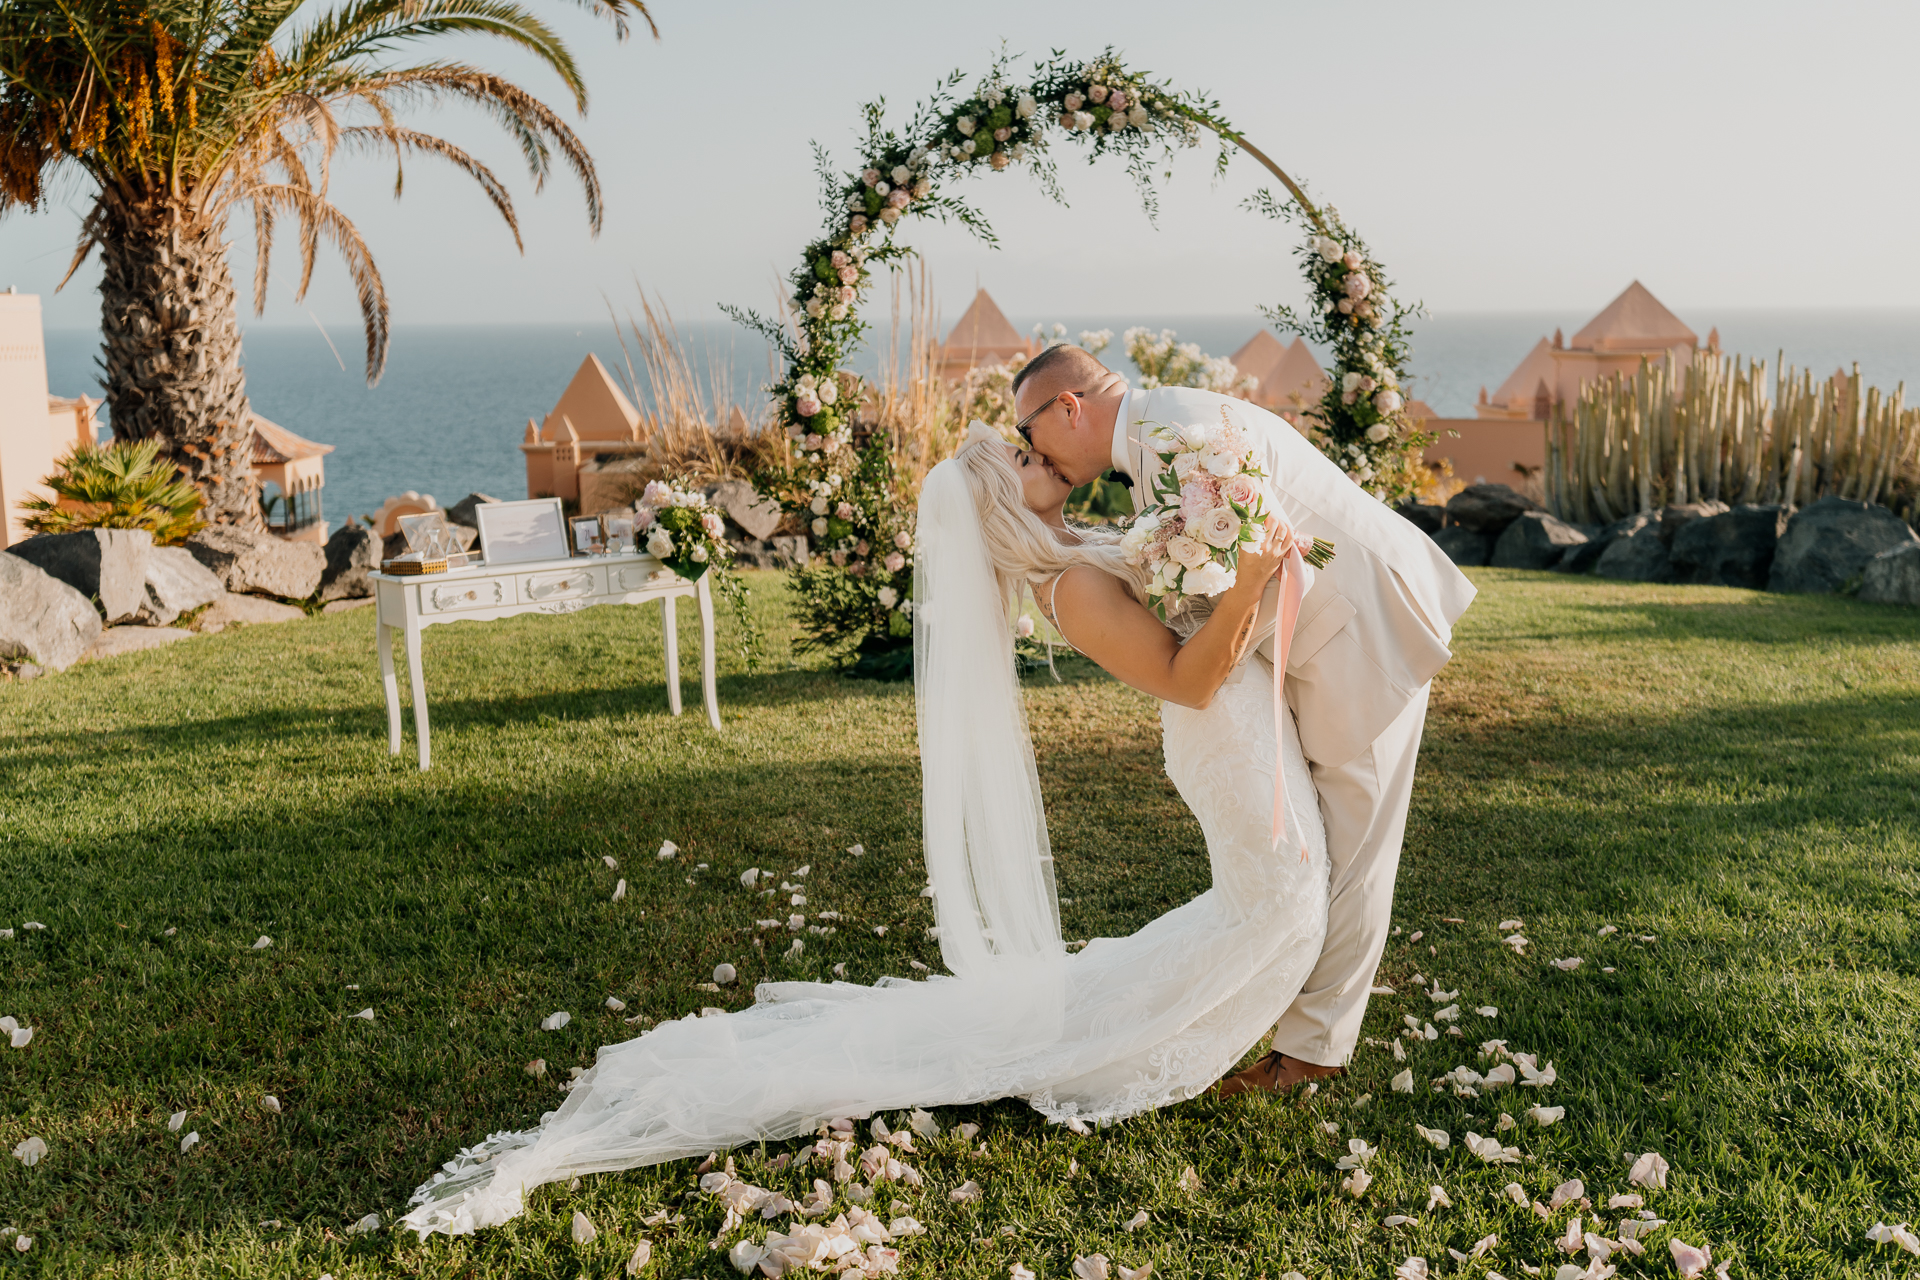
(1123, 1026)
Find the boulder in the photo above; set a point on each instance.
(234, 609)
(745, 507)
(1488, 508)
(1893, 577)
(43, 621)
(109, 565)
(1831, 541)
(346, 606)
(352, 553)
(1732, 549)
(115, 641)
(1425, 517)
(1677, 516)
(1464, 546)
(259, 562)
(176, 583)
(1535, 540)
(1639, 557)
(461, 512)
(790, 549)
(1582, 558)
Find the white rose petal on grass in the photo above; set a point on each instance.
(1483, 1246)
(1574, 1237)
(29, 1152)
(365, 1015)
(609, 860)
(1018, 1272)
(1536, 1077)
(968, 1192)
(1569, 964)
(616, 1004)
(668, 849)
(1357, 1157)
(1606, 929)
(1190, 1181)
(620, 890)
(175, 1120)
(189, 1142)
(840, 970)
(1399, 1220)
(1414, 1268)
(1880, 1233)
(1488, 1011)
(271, 1103)
(1399, 1050)
(1091, 1268)
(642, 1255)
(1649, 1171)
(857, 850)
(22, 1243)
(1138, 1220)
(366, 1226)
(555, 1020)
(1518, 942)
(1438, 1139)
(1689, 1261)
(1449, 1014)
(1490, 1150)
(1544, 1116)
(1356, 1183)
(1505, 1123)
(749, 877)
(584, 1232)
(1381, 990)
(1627, 1201)
(538, 1067)
(724, 974)
(1437, 1198)
(262, 942)
(1500, 1077)
(793, 952)
(1516, 1193)
(20, 1037)
(1566, 1193)
(1403, 1083)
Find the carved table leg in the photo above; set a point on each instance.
(671, 625)
(704, 593)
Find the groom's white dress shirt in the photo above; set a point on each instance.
(1373, 630)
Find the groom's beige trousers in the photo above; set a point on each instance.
(1364, 804)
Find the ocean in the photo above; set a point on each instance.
(449, 414)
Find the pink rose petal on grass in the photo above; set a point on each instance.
(1690, 1262)
(1649, 1171)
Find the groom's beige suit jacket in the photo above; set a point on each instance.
(1378, 621)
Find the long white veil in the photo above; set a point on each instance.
(985, 826)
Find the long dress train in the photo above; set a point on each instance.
(1123, 1026)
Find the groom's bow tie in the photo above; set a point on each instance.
(1118, 477)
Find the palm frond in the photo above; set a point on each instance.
(314, 212)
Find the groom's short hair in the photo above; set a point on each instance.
(1060, 368)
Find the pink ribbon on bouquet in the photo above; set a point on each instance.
(1293, 589)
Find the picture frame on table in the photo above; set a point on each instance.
(519, 532)
(588, 539)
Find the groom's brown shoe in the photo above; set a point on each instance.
(1275, 1073)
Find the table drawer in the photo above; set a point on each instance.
(465, 593)
(562, 584)
(636, 577)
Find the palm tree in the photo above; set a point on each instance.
(173, 113)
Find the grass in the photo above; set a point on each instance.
(1732, 773)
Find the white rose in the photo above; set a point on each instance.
(819, 527)
(816, 308)
(1138, 116)
(1209, 579)
(700, 554)
(829, 390)
(969, 146)
(1019, 151)
(1378, 432)
(1183, 465)
(1387, 401)
(818, 506)
(660, 544)
(901, 175)
(1083, 119)
(1187, 552)
(1220, 527)
(838, 311)
(965, 125)
(888, 597)
(1219, 463)
(889, 215)
(1023, 627)
(1025, 107)
(923, 188)
(1073, 102)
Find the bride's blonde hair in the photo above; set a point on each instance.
(1025, 550)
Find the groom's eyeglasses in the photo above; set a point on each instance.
(1024, 427)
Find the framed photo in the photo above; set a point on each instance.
(517, 532)
(620, 532)
(586, 536)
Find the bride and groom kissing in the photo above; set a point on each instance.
(1281, 943)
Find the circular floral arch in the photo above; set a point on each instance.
(860, 598)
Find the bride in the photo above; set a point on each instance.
(1125, 1025)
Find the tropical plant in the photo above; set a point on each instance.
(122, 485)
(174, 113)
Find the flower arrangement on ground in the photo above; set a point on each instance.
(1207, 504)
(677, 525)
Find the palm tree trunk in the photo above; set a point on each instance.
(172, 349)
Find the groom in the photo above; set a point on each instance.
(1370, 636)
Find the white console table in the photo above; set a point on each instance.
(484, 593)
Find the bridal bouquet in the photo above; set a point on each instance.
(1206, 504)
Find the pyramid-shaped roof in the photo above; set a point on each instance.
(985, 328)
(595, 405)
(273, 444)
(1634, 321)
(1259, 355)
(1297, 381)
(1518, 390)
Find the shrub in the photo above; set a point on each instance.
(124, 484)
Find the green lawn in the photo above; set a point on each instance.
(1734, 774)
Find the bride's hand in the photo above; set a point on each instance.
(1257, 564)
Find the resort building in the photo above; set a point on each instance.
(1289, 380)
(983, 336)
(290, 475)
(589, 445)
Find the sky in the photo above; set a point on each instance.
(1496, 156)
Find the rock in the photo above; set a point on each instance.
(1535, 541)
(234, 609)
(790, 550)
(1425, 517)
(1639, 557)
(105, 564)
(461, 512)
(1582, 558)
(1488, 508)
(1893, 577)
(43, 621)
(346, 606)
(115, 641)
(352, 553)
(1464, 546)
(260, 562)
(1732, 549)
(176, 583)
(745, 507)
(1677, 516)
(1831, 541)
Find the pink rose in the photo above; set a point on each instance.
(1119, 100)
(643, 518)
(894, 562)
(858, 224)
(1353, 261)
(1199, 495)
(1220, 527)
(899, 199)
(807, 406)
(999, 160)
(712, 524)
(860, 547)
(1241, 489)
(1097, 92)
(839, 559)
(1186, 552)
(889, 216)
(844, 293)
(1001, 135)
(844, 511)
(815, 440)
(1358, 286)
(840, 258)
(656, 494)
(870, 177)
(849, 275)
(857, 568)
(903, 540)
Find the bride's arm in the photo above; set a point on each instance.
(1109, 626)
